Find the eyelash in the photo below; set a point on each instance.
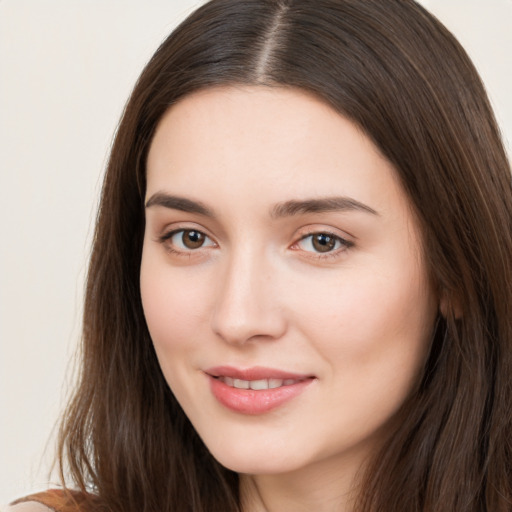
(166, 237)
(344, 244)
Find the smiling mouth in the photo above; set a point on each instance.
(256, 390)
(257, 385)
(256, 395)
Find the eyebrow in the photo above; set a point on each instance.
(326, 204)
(286, 209)
(179, 203)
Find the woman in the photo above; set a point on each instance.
(300, 289)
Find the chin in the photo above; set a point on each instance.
(258, 466)
(256, 460)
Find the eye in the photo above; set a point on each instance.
(187, 240)
(322, 243)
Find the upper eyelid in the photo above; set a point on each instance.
(344, 241)
(317, 229)
(325, 232)
(169, 230)
(162, 220)
(166, 235)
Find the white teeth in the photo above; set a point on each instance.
(275, 383)
(241, 384)
(257, 385)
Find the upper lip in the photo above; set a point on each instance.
(254, 373)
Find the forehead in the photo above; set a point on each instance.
(273, 143)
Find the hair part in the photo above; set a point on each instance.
(270, 40)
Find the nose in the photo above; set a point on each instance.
(248, 305)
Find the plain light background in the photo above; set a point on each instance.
(66, 70)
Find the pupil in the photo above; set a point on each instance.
(323, 242)
(193, 239)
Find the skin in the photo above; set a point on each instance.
(358, 317)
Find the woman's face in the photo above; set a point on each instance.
(282, 279)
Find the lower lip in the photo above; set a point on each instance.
(250, 401)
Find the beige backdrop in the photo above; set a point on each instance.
(66, 69)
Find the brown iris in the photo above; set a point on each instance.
(192, 239)
(322, 242)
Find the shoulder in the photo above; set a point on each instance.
(26, 506)
(54, 500)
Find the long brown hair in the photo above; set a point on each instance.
(395, 71)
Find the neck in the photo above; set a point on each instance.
(320, 487)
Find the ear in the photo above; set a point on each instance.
(449, 305)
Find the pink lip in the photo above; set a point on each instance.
(253, 402)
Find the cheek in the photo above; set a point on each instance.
(375, 338)
(377, 323)
(173, 307)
